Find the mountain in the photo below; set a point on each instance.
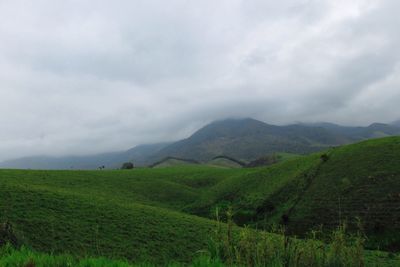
(249, 139)
(242, 139)
(112, 160)
(396, 123)
(354, 134)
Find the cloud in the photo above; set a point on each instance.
(80, 77)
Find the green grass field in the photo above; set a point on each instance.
(166, 215)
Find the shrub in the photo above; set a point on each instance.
(324, 157)
(127, 166)
(7, 235)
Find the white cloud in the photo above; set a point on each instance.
(80, 77)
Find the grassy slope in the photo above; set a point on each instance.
(129, 214)
(358, 181)
(224, 163)
(122, 214)
(248, 189)
(167, 187)
(25, 257)
(287, 156)
(173, 163)
(53, 211)
(361, 181)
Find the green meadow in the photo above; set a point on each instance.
(167, 216)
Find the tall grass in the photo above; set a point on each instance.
(247, 247)
(24, 257)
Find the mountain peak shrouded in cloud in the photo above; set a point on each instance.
(396, 123)
(82, 77)
(241, 140)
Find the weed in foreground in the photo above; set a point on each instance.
(247, 247)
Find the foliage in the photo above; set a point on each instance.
(127, 166)
(247, 247)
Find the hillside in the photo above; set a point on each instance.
(75, 212)
(172, 161)
(354, 134)
(226, 162)
(249, 139)
(145, 213)
(359, 181)
(242, 139)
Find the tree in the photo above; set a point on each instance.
(324, 157)
(127, 166)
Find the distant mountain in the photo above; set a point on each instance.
(249, 139)
(112, 160)
(396, 123)
(242, 139)
(354, 134)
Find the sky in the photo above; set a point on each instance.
(87, 76)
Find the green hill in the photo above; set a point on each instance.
(242, 139)
(354, 182)
(173, 161)
(74, 212)
(226, 162)
(249, 139)
(360, 181)
(144, 213)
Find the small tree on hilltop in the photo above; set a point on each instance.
(127, 166)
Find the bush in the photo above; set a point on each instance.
(7, 235)
(127, 166)
(324, 157)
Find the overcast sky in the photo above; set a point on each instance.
(81, 77)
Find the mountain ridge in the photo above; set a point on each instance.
(243, 139)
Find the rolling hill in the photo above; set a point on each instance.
(172, 161)
(100, 214)
(358, 182)
(226, 162)
(165, 214)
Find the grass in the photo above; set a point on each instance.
(232, 246)
(247, 247)
(357, 183)
(23, 257)
(65, 221)
(287, 156)
(172, 161)
(247, 190)
(224, 163)
(147, 215)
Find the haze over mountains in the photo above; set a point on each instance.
(244, 139)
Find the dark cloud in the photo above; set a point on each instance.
(79, 77)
